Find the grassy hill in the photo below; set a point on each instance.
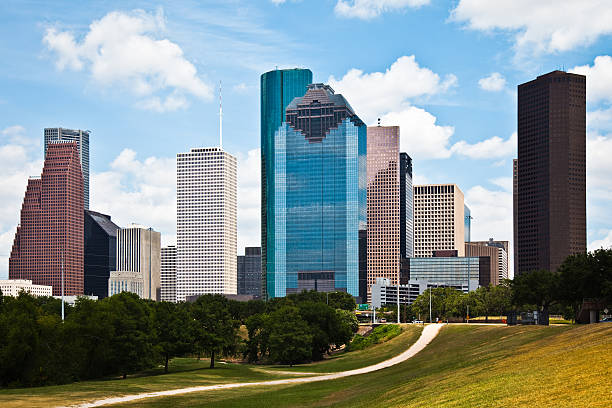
(465, 366)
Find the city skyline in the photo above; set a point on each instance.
(470, 113)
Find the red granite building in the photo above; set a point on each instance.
(51, 225)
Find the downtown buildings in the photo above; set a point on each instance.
(550, 195)
(100, 252)
(249, 272)
(313, 190)
(206, 225)
(168, 274)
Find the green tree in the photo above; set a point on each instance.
(341, 300)
(171, 323)
(539, 288)
(290, 340)
(216, 331)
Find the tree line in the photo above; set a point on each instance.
(124, 334)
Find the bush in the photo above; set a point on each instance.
(379, 335)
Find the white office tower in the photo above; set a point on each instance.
(59, 135)
(168, 274)
(206, 195)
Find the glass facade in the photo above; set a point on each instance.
(468, 223)
(318, 198)
(451, 271)
(278, 89)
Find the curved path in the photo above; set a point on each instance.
(428, 334)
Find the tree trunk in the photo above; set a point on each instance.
(166, 366)
(212, 359)
(487, 318)
(124, 376)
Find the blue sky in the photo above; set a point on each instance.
(143, 77)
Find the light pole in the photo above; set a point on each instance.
(398, 297)
(429, 305)
(62, 268)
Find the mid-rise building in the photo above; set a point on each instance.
(168, 274)
(100, 253)
(551, 196)
(459, 272)
(249, 272)
(278, 89)
(126, 281)
(12, 287)
(439, 219)
(49, 238)
(139, 251)
(81, 137)
(206, 225)
(319, 196)
(406, 207)
(383, 203)
(502, 259)
(491, 252)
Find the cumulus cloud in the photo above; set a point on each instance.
(494, 82)
(125, 50)
(599, 78)
(494, 147)
(369, 9)
(249, 199)
(545, 26)
(600, 119)
(605, 242)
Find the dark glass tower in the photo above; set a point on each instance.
(100, 252)
(278, 89)
(551, 179)
(406, 207)
(319, 196)
(249, 272)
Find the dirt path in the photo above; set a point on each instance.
(428, 334)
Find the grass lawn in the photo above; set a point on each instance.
(465, 366)
(186, 372)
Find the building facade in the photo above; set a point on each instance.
(278, 89)
(383, 203)
(168, 274)
(126, 281)
(139, 251)
(406, 207)
(458, 272)
(81, 137)
(439, 219)
(49, 237)
(100, 253)
(514, 210)
(249, 272)
(551, 196)
(319, 196)
(502, 261)
(491, 252)
(206, 225)
(12, 287)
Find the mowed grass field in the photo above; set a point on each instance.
(185, 372)
(465, 366)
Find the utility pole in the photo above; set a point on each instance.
(398, 296)
(429, 305)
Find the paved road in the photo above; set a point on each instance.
(428, 334)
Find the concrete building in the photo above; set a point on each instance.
(406, 207)
(12, 287)
(249, 272)
(206, 225)
(383, 203)
(319, 196)
(49, 237)
(81, 137)
(168, 274)
(439, 219)
(100, 253)
(459, 272)
(502, 261)
(278, 89)
(493, 253)
(551, 196)
(139, 251)
(126, 281)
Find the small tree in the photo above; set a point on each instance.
(171, 323)
(290, 340)
(539, 288)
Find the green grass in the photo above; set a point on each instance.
(186, 372)
(379, 335)
(465, 366)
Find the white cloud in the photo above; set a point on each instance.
(600, 120)
(240, 88)
(492, 216)
(122, 50)
(368, 9)
(599, 78)
(494, 82)
(543, 26)
(599, 165)
(249, 199)
(420, 136)
(503, 182)
(495, 147)
(605, 242)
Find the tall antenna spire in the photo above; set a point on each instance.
(220, 118)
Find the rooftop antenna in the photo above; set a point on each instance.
(220, 119)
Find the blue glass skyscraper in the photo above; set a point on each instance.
(278, 89)
(318, 196)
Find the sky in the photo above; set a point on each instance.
(143, 77)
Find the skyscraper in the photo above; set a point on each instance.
(551, 196)
(319, 196)
(81, 137)
(278, 89)
(514, 211)
(168, 274)
(50, 234)
(383, 203)
(206, 231)
(139, 251)
(100, 252)
(439, 219)
(249, 272)
(406, 207)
